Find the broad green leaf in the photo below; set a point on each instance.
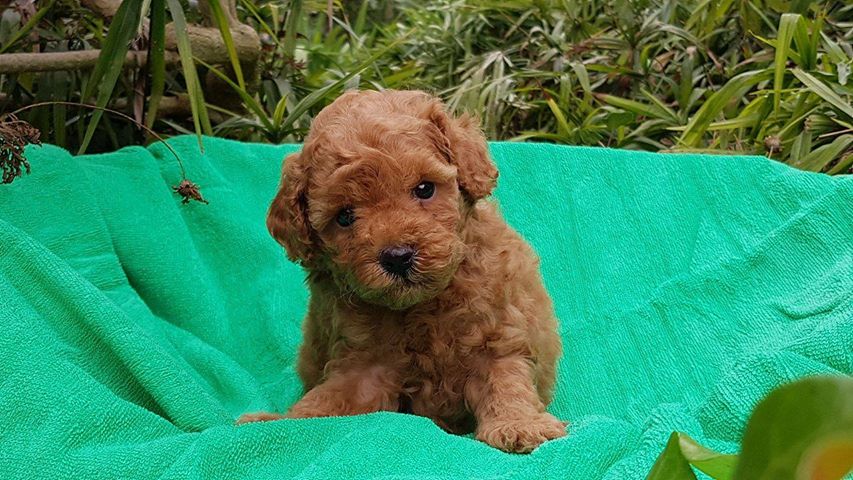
(156, 59)
(651, 111)
(793, 420)
(685, 87)
(820, 157)
(719, 466)
(843, 165)
(732, 90)
(563, 127)
(311, 99)
(290, 26)
(787, 25)
(742, 121)
(582, 75)
(822, 90)
(831, 459)
(660, 105)
(111, 62)
(681, 452)
(671, 464)
(805, 46)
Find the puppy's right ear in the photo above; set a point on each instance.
(287, 219)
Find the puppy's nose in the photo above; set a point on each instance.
(397, 260)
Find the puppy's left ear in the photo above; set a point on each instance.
(287, 218)
(464, 145)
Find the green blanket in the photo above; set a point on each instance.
(134, 329)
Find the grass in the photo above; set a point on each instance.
(769, 77)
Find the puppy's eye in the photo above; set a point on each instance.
(346, 217)
(424, 190)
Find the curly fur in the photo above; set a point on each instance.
(470, 339)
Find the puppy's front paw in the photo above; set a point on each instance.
(521, 435)
(258, 417)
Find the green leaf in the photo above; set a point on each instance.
(199, 110)
(735, 88)
(361, 17)
(311, 99)
(681, 452)
(660, 105)
(248, 100)
(823, 91)
(720, 466)
(793, 425)
(583, 76)
(787, 25)
(820, 157)
(225, 30)
(111, 62)
(651, 111)
(249, 5)
(843, 164)
(27, 27)
(156, 59)
(563, 127)
(290, 26)
(671, 464)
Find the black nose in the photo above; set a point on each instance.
(397, 260)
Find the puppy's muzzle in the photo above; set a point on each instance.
(397, 260)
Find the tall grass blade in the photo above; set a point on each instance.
(156, 59)
(225, 29)
(27, 27)
(253, 105)
(199, 110)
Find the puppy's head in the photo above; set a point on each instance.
(379, 195)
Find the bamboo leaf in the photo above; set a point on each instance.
(309, 101)
(819, 158)
(651, 111)
(563, 127)
(733, 89)
(822, 90)
(199, 109)
(787, 25)
(111, 62)
(583, 76)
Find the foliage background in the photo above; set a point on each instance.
(755, 76)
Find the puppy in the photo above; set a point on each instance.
(423, 299)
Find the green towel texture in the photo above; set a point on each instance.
(134, 329)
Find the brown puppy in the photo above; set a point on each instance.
(422, 298)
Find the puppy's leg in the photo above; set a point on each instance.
(350, 390)
(258, 417)
(510, 416)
